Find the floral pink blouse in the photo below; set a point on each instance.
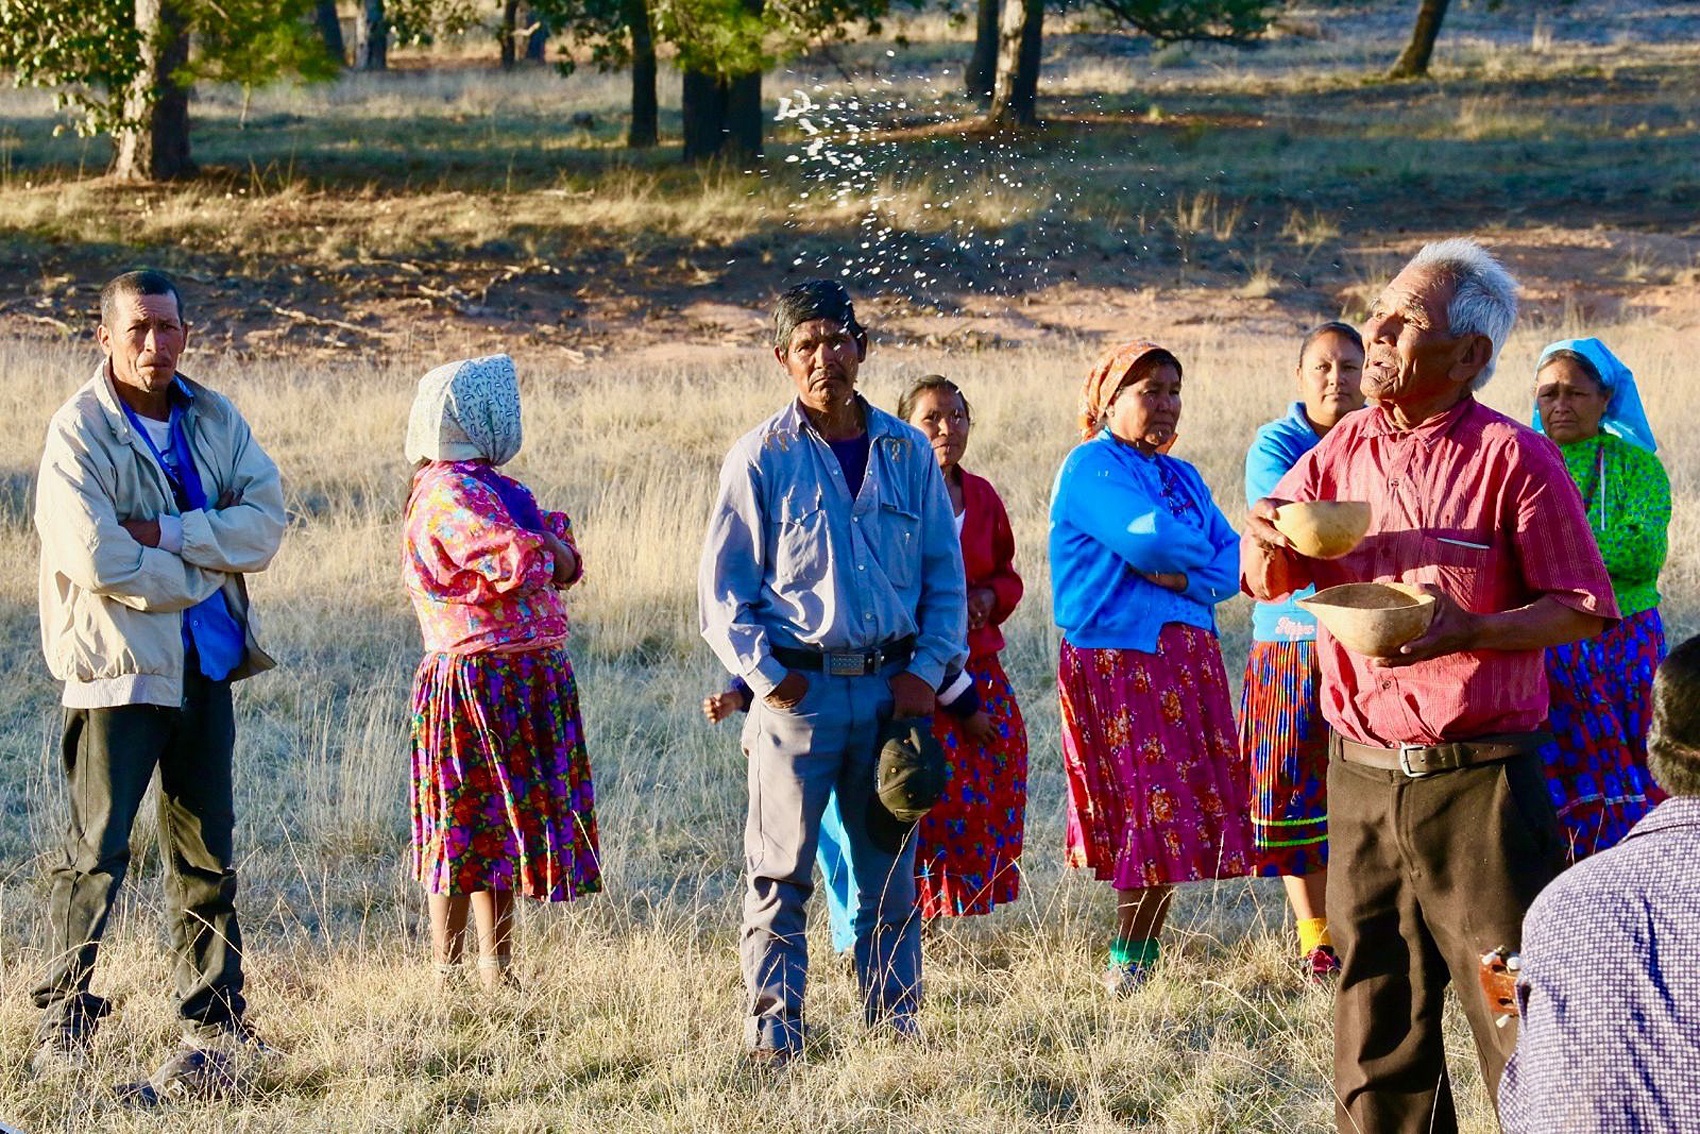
(480, 583)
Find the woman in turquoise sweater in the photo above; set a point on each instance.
(1281, 725)
(1140, 556)
(1586, 401)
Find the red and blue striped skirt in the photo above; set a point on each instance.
(1285, 740)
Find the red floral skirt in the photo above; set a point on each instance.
(969, 848)
(1156, 778)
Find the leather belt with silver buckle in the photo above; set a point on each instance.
(1418, 760)
(845, 663)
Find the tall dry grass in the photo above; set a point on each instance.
(630, 1015)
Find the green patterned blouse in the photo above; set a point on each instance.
(1627, 495)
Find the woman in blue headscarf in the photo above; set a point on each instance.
(1586, 401)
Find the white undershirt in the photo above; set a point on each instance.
(170, 527)
(159, 432)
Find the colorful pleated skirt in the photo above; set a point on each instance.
(1156, 778)
(1602, 705)
(1286, 742)
(501, 793)
(968, 853)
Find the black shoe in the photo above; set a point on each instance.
(236, 1038)
(66, 1043)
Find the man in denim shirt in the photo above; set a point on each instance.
(832, 583)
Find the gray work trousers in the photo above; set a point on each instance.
(797, 758)
(109, 756)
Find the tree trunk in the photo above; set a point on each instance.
(371, 36)
(644, 129)
(537, 42)
(1413, 61)
(507, 32)
(330, 30)
(983, 64)
(153, 145)
(743, 116)
(722, 117)
(703, 108)
(1015, 95)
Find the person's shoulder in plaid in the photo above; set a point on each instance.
(1610, 983)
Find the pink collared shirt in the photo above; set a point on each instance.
(1482, 508)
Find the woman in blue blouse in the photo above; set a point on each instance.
(1140, 556)
(1281, 725)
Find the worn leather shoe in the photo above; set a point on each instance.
(190, 1073)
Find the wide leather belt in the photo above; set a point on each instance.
(846, 663)
(1417, 760)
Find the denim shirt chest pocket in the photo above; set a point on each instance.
(899, 543)
(801, 554)
(896, 538)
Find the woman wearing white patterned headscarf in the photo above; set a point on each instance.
(501, 791)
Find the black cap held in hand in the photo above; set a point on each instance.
(910, 778)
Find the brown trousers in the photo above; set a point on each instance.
(1425, 875)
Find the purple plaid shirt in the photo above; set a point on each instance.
(1610, 989)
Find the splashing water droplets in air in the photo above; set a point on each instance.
(939, 211)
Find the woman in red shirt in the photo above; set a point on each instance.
(969, 846)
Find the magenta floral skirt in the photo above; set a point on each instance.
(501, 793)
(1156, 778)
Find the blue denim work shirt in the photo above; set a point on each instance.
(792, 559)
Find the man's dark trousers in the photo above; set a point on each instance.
(109, 757)
(1427, 875)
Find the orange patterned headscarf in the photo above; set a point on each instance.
(1126, 363)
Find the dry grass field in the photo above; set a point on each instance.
(346, 238)
(629, 1016)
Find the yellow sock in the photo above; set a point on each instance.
(1313, 931)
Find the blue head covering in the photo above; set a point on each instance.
(1624, 417)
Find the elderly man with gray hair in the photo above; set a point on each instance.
(1440, 825)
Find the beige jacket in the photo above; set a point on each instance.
(111, 621)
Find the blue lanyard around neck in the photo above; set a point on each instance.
(186, 483)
